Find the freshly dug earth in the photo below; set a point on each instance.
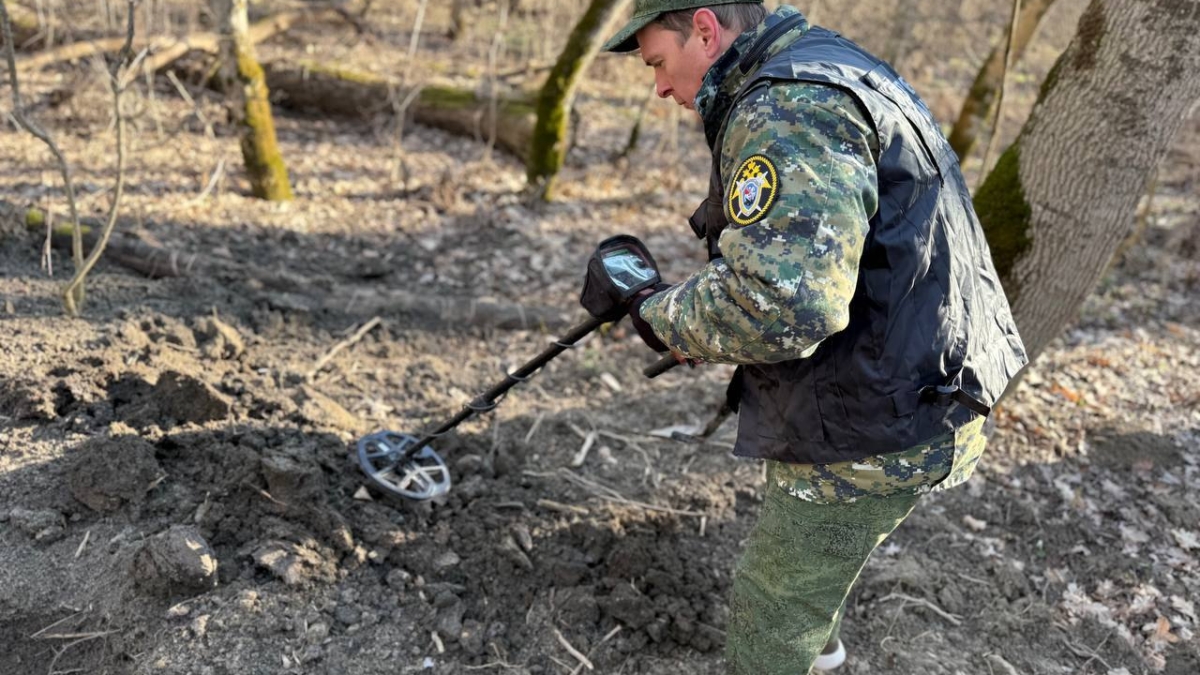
(178, 492)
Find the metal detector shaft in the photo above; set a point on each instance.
(660, 366)
(488, 399)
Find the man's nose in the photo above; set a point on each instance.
(661, 87)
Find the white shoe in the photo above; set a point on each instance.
(831, 660)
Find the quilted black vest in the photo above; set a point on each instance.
(931, 341)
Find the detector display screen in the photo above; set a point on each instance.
(627, 269)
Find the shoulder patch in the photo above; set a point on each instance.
(752, 190)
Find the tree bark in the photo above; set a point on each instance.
(549, 143)
(1062, 199)
(244, 81)
(339, 91)
(980, 103)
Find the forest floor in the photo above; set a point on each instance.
(191, 408)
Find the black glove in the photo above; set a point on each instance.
(641, 325)
(620, 268)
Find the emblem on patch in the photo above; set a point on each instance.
(752, 192)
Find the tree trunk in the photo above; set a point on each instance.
(981, 99)
(243, 79)
(339, 91)
(549, 145)
(1064, 196)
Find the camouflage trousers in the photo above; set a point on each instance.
(800, 562)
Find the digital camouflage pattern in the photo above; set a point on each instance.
(791, 252)
(790, 260)
(950, 459)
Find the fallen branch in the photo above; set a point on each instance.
(333, 351)
(338, 91)
(610, 495)
(166, 50)
(610, 635)
(125, 250)
(954, 620)
(551, 505)
(583, 660)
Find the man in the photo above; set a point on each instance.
(850, 280)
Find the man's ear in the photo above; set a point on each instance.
(707, 29)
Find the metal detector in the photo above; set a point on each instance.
(406, 466)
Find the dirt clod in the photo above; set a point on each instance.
(323, 411)
(218, 340)
(108, 473)
(292, 482)
(26, 400)
(188, 399)
(294, 564)
(44, 525)
(175, 562)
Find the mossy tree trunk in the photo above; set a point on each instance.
(549, 143)
(980, 103)
(243, 80)
(1062, 199)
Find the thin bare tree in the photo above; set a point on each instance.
(549, 144)
(244, 82)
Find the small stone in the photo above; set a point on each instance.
(399, 579)
(200, 625)
(446, 560)
(317, 632)
(176, 561)
(347, 615)
(247, 599)
(179, 611)
(471, 638)
(312, 653)
(450, 621)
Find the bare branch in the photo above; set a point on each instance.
(73, 293)
(999, 117)
(41, 134)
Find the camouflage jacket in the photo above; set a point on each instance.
(789, 267)
(932, 466)
(798, 164)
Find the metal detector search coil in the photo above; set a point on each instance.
(406, 466)
(384, 456)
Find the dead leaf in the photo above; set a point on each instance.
(1162, 631)
(1067, 393)
(1187, 540)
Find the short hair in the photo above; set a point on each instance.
(736, 16)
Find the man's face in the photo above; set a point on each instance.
(678, 68)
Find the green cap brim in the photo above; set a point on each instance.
(626, 39)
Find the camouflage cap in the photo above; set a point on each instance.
(646, 11)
